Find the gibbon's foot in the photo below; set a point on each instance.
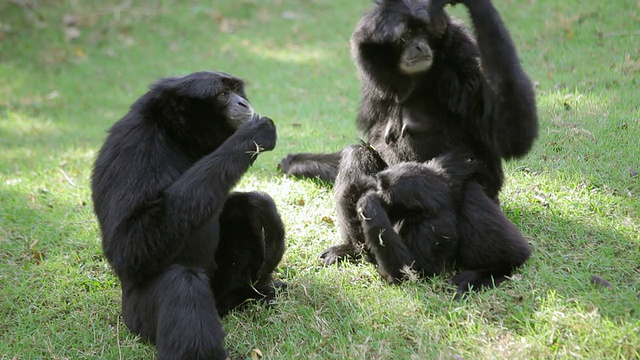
(338, 253)
(475, 280)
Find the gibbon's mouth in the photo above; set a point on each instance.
(239, 119)
(249, 115)
(416, 64)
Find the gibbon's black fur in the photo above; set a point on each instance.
(461, 90)
(185, 248)
(429, 87)
(414, 222)
(308, 165)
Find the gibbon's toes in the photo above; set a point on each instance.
(280, 285)
(329, 256)
(284, 164)
(337, 253)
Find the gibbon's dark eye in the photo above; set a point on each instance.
(223, 95)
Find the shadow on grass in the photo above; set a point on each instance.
(340, 317)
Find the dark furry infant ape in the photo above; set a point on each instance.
(410, 215)
(428, 88)
(185, 248)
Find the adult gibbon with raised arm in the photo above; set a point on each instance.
(429, 87)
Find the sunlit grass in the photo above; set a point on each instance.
(293, 54)
(574, 197)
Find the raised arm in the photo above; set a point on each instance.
(513, 114)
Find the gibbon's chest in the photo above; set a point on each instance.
(413, 134)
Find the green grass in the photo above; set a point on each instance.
(574, 196)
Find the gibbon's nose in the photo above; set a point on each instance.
(244, 103)
(423, 47)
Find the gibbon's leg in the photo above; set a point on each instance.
(491, 246)
(358, 167)
(177, 312)
(251, 247)
(306, 165)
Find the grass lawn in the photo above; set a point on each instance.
(69, 69)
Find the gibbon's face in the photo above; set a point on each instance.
(417, 27)
(416, 56)
(224, 92)
(229, 97)
(232, 98)
(408, 28)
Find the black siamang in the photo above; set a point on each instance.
(418, 219)
(429, 87)
(185, 248)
